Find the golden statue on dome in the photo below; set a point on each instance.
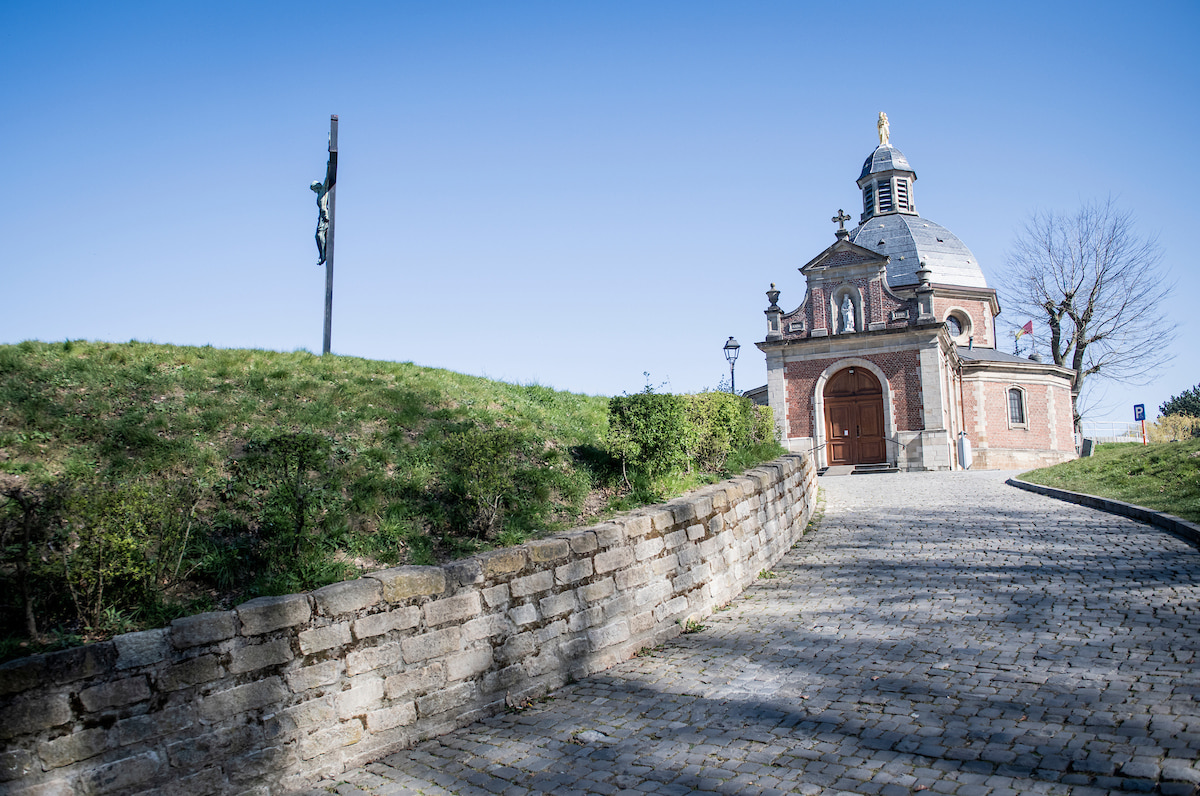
(884, 133)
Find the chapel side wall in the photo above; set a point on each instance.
(282, 691)
(1047, 438)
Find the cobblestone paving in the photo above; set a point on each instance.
(941, 633)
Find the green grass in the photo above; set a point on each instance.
(1162, 476)
(172, 479)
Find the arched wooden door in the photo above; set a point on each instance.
(854, 418)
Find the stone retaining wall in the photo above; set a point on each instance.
(280, 691)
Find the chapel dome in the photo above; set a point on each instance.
(910, 240)
(885, 158)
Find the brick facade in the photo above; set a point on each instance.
(901, 370)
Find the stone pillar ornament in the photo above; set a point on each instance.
(840, 219)
(774, 315)
(884, 129)
(924, 295)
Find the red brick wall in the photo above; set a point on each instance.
(979, 312)
(900, 368)
(1037, 431)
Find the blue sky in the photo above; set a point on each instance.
(567, 193)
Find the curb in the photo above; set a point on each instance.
(1187, 531)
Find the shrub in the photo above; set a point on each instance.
(1173, 428)
(1186, 403)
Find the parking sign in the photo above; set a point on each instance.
(1139, 411)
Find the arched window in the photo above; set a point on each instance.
(1018, 415)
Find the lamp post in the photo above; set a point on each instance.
(731, 354)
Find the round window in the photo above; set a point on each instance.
(954, 326)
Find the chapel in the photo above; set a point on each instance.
(892, 360)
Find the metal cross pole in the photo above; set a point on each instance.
(331, 182)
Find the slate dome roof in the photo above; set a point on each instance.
(885, 158)
(909, 239)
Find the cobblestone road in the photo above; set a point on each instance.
(938, 632)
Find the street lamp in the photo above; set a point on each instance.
(731, 352)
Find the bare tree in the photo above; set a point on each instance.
(1099, 286)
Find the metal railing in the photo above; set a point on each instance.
(1112, 431)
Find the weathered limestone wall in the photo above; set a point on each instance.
(283, 690)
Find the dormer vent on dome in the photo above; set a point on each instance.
(886, 179)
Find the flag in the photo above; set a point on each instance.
(1026, 329)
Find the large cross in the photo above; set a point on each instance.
(841, 218)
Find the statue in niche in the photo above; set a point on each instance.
(884, 129)
(847, 324)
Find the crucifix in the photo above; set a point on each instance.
(326, 194)
(841, 218)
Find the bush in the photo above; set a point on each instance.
(1186, 403)
(1173, 428)
(656, 434)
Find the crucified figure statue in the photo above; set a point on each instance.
(322, 189)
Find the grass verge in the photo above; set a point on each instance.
(1162, 476)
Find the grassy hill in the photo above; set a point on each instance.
(1163, 476)
(139, 482)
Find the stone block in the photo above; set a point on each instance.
(582, 620)
(598, 590)
(652, 594)
(544, 662)
(676, 538)
(612, 559)
(431, 644)
(226, 704)
(115, 693)
(202, 783)
(661, 520)
(499, 563)
(468, 664)
(208, 628)
(138, 729)
(532, 584)
(303, 717)
(516, 647)
(484, 627)
(452, 609)
(467, 572)
(323, 638)
(503, 679)
(328, 740)
(315, 676)
(396, 619)
(258, 656)
(396, 716)
(671, 610)
(403, 583)
(348, 597)
(609, 535)
(631, 577)
(79, 745)
(273, 613)
(601, 637)
(496, 596)
(574, 571)
(365, 695)
(141, 649)
(192, 753)
(370, 658)
(647, 548)
(545, 635)
(17, 764)
(637, 525)
(417, 681)
(546, 550)
(126, 774)
(22, 674)
(446, 699)
(582, 542)
(683, 512)
(665, 566)
(573, 648)
(557, 604)
(67, 666)
(194, 671)
(523, 614)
